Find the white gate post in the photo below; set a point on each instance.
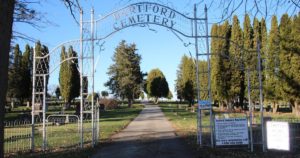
(81, 79)
(33, 100)
(44, 112)
(199, 126)
(93, 71)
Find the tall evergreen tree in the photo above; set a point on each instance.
(252, 61)
(170, 95)
(271, 87)
(203, 80)
(215, 61)
(75, 75)
(26, 66)
(64, 76)
(264, 38)
(178, 87)
(186, 79)
(42, 67)
(295, 66)
(249, 56)
(263, 49)
(57, 92)
(69, 78)
(247, 35)
(125, 73)
(285, 58)
(221, 72)
(157, 85)
(15, 75)
(237, 86)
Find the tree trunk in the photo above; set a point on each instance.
(68, 105)
(229, 106)
(190, 103)
(6, 21)
(129, 103)
(295, 107)
(156, 100)
(222, 105)
(77, 109)
(275, 107)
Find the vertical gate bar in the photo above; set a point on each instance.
(44, 112)
(33, 101)
(93, 70)
(81, 80)
(98, 123)
(208, 76)
(261, 96)
(199, 128)
(250, 109)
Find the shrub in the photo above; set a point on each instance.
(109, 103)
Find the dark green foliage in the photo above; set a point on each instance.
(64, 76)
(42, 67)
(170, 95)
(289, 61)
(26, 68)
(125, 73)
(104, 94)
(57, 92)
(186, 80)
(75, 76)
(157, 85)
(247, 34)
(203, 80)
(15, 75)
(215, 61)
(295, 69)
(237, 80)
(220, 70)
(263, 38)
(271, 86)
(285, 56)
(252, 60)
(69, 77)
(279, 57)
(95, 95)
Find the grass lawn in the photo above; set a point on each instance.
(111, 121)
(185, 123)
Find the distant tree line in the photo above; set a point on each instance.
(20, 71)
(234, 52)
(186, 85)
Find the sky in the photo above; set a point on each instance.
(158, 46)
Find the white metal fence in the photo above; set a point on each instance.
(63, 132)
(17, 136)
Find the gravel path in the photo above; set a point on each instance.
(150, 135)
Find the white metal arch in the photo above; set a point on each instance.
(136, 14)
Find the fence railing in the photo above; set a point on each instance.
(62, 132)
(17, 136)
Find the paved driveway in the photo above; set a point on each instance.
(150, 135)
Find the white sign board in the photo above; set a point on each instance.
(204, 104)
(278, 136)
(231, 131)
